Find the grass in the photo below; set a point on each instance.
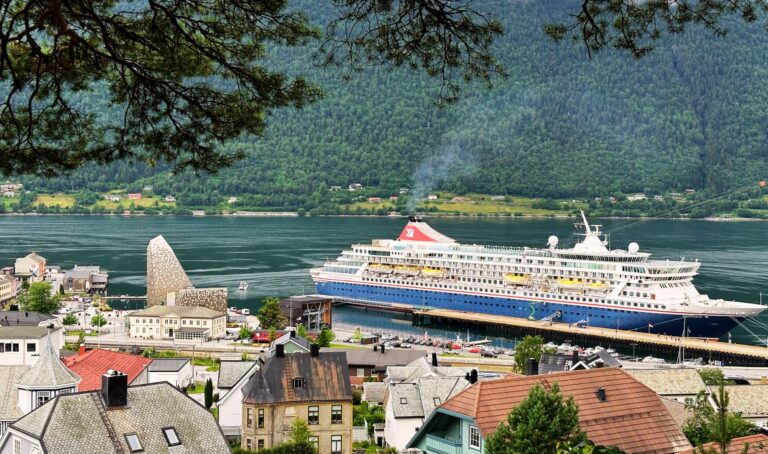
(212, 364)
(198, 389)
(76, 332)
(346, 346)
(125, 204)
(62, 200)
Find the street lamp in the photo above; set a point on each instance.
(634, 358)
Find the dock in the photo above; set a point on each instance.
(708, 350)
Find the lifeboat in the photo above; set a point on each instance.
(597, 286)
(433, 272)
(570, 283)
(380, 268)
(517, 279)
(408, 270)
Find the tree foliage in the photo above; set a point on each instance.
(244, 333)
(208, 393)
(69, 320)
(325, 337)
(269, 314)
(529, 347)
(543, 423)
(38, 298)
(708, 424)
(98, 320)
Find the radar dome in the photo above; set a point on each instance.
(633, 248)
(552, 241)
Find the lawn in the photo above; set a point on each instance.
(124, 203)
(62, 200)
(198, 389)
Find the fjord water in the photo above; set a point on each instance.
(274, 254)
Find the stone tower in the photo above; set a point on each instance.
(164, 272)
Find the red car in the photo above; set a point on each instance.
(475, 350)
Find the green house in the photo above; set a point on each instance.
(448, 432)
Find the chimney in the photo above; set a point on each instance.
(575, 357)
(26, 314)
(375, 347)
(434, 359)
(279, 350)
(293, 333)
(314, 350)
(383, 348)
(600, 394)
(473, 376)
(114, 389)
(82, 350)
(531, 367)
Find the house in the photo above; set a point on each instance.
(365, 363)
(374, 199)
(458, 200)
(636, 197)
(432, 197)
(393, 198)
(690, 191)
(403, 191)
(176, 371)
(31, 267)
(498, 198)
(335, 188)
(314, 312)
(170, 199)
(98, 280)
(90, 365)
(112, 197)
(374, 392)
(553, 362)
(24, 388)
(178, 323)
(613, 199)
(233, 375)
(310, 386)
(677, 384)
(355, 187)
(232, 200)
(28, 318)
(751, 444)
(751, 402)
(8, 287)
(291, 343)
(9, 194)
(119, 419)
(22, 345)
(613, 406)
(134, 196)
(658, 198)
(414, 391)
(7, 187)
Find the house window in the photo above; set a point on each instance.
(313, 416)
(336, 414)
(403, 401)
(436, 400)
(335, 444)
(16, 446)
(360, 372)
(314, 440)
(474, 437)
(260, 443)
(260, 422)
(31, 348)
(43, 397)
(171, 437)
(133, 443)
(248, 444)
(249, 417)
(298, 382)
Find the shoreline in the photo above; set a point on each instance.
(294, 214)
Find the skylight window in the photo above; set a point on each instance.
(133, 443)
(403, 401)
(171, 436)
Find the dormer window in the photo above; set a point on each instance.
(171, 436)
(298, 382)
(403, 401)
(133, 443)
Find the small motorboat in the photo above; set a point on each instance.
(243, 285)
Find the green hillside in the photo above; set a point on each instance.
(691, 115)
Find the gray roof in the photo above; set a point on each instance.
(230, 372)
(182, 311)
(421, 367)
(35, 256)
(749, 400)
(4, 279)
(23, 332)
(374, 392)
(326, 379)
(77, 274)
(167, 364)
(670, 381)
(9, 395)
(22, 318)
(77, 423)
(418, 399)
(379, 361)
(286, 338)
(48, 372)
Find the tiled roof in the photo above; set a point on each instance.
(167, 364)
(22, 332)
(417, 399)
(670, 381)
(422, 367)
(23, 318)
(390, 357)
(91, 365)
(35, 257)
(758, 444)
(285, 338)
(78, 423)
(230, 372)
(374, 392)
(326, 379)
(677, 410)
(48, 372)
(9, 395)
(632, 417)
(749, 400)
(182, 311)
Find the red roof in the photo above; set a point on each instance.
(631, 418)
(91, 365)
(758, 444)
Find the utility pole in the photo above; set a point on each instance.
(634, 358)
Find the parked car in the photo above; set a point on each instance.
(405, 345)
(475, 350)
(488, 354)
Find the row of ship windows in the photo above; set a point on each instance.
(535, 295)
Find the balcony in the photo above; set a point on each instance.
(439, 445)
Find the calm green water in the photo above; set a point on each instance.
(274, 254)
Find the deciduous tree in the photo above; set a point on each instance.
(325, 337)
(529, 347)
(38, 298)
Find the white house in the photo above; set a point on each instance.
(178, 323)
(22, 345)
(170, 199)
(233, 375)
(636, 197)
(176, 371)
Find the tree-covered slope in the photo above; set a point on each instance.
(692, 114)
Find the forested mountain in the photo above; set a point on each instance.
(692, 114)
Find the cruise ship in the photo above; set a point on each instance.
(587, 284)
